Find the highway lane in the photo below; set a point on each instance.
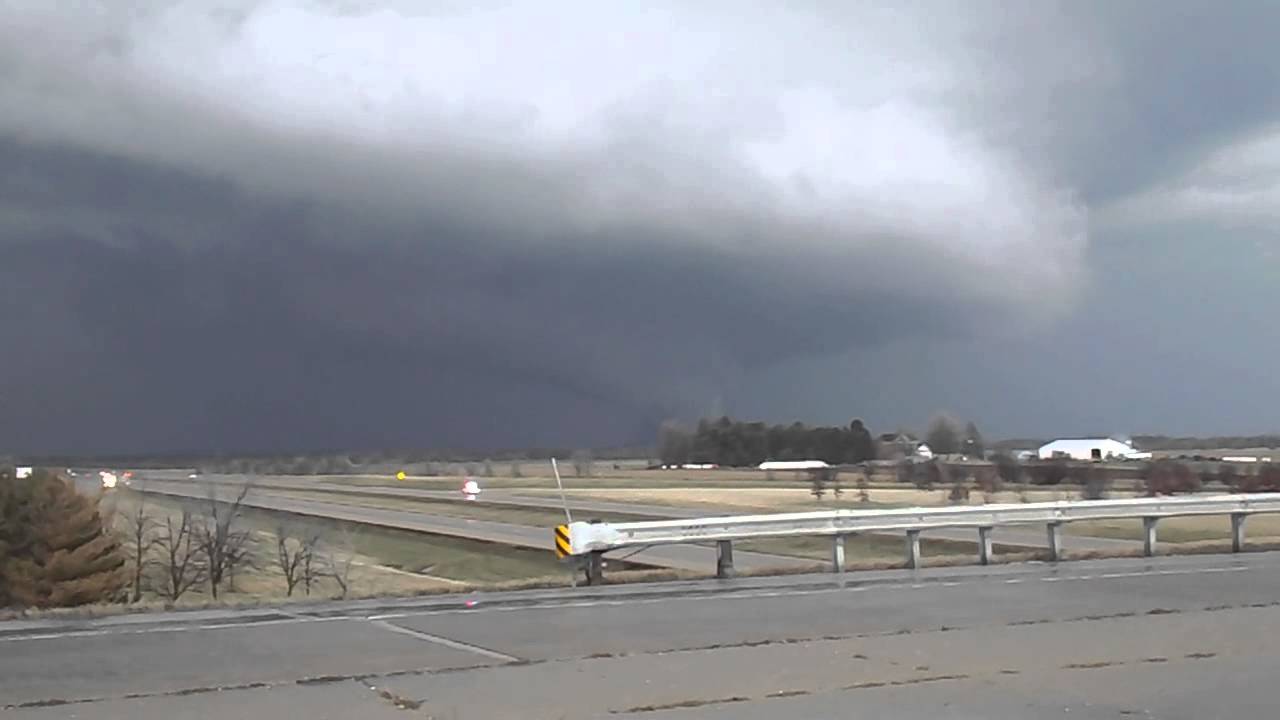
(1175, 637)
(1026, 537)
(681, 557)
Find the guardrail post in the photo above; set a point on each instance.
(1237, 531)
(1149, 536)
(913, 549)
(595, 568)
(724, 558)
(837, 554)
(984, 545)
(1055, 541)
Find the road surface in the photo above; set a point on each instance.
(1187, 638)
(680, 557)
(583, 508)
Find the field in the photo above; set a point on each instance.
(872, 548)
(745, 491)
(394, 562)
(384, 561)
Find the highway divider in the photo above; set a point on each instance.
(590, 540)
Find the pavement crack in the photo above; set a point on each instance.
(680, 705)
(902, 683)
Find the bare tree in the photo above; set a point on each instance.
(864, 484)
(515, 470)
(817, 486)
(221, 543)
(179, 555)
(240, 554)
(338, 561)
(582, 463)
(311, 566)
(140, 537)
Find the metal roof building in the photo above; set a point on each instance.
(1090, 449)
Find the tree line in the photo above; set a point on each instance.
(735, 443)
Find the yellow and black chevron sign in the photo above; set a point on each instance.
(563, 547)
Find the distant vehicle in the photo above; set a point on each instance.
(193, 476)
(23, 472)
(470, 489)
(109, 479)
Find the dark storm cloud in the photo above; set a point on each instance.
(306, 223)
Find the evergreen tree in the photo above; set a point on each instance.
(973, 443)
(943, 436)
(56, 551)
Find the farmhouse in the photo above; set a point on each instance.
(1091, 449)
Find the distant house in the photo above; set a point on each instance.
(897, 446)
(1091, 449)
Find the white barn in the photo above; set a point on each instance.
(1090, 449)
(793, 465)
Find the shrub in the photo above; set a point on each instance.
(56, 550)
(1228, 476)
(1048, 473)
(1007, 468)
(1267, 479)
(1169, 477)
(988, 479)
(1093, 482)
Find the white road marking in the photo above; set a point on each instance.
(166, 629)
(622, 601)
(436, 639)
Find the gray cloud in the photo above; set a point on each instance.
(392, 223)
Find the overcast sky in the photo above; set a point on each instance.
(306, 224)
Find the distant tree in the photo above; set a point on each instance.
(582, 463)
(1169, 477)
(179, 555)
(1266, 479)
(959, 491)
(818, 480)
(139, 538)
(862, 446)
(339, 560)
(221, 542)
(1052, 472)
(925, 475)
(290, 551)
(57, 552)
(1007, 468)
(488, 468)
(988, 481)
(972, 444)
(1092, 480)
(864, 484)
(15, 524)
(1228, 476)
(943, 436)
(515, 470)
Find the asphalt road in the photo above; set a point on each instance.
(1012, 536)
(1174, 638)
(683, 557)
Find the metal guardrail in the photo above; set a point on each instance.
(592, 540)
